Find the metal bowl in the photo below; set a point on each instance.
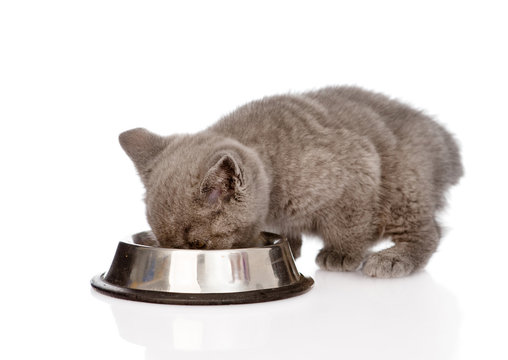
(203, 277)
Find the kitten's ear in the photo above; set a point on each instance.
(223, 181)
(142, 146)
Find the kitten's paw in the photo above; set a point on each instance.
(295, 242)
(331, 259)
(145, 238)
(386, 265)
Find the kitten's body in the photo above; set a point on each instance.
(345, 164)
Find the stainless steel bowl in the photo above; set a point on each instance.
(201, 277)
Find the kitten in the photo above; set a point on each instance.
(348, 165)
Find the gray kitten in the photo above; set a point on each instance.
(348, 165)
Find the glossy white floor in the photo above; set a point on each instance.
(73, 75)
(346, 314)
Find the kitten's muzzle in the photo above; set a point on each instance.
(199, 244)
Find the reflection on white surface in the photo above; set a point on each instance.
(187, 334)
(349, 314)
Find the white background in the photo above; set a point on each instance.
(74, 74)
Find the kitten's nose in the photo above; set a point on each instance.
(198, 244)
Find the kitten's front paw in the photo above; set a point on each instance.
(386, 265)
(331, 259)
(145, 238)
(296, 245)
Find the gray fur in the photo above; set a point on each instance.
(348, 165)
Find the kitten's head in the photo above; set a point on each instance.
(196, 198)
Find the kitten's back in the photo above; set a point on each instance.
(417, 135)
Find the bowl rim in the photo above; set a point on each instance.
(275, 239)
(303, 285)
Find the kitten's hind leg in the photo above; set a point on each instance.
(411, 252)
(347, 236)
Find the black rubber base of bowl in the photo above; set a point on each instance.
(244, 297)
